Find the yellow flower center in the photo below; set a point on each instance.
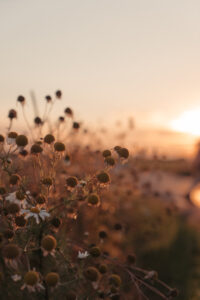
(35, 210)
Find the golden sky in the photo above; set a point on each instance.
(111, 58)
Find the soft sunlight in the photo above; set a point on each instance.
(188, 122)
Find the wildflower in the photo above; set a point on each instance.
(17, 197)
(21, 140)
(49, 139)
(58, 94)
(21, 99)
(2, 139)
(82, 255)
(49, 244)
(14, 179)
(95, 252)
(36, 149)
(115, 280)
(72, 181)
(91, 273)
(93, 199)
(52, 279)
(103, 177)
(68, 112)
(16, 277)
(106, 153)
(36, 213)
(11, 139)
(12, 114)
(31, 282)
(59, 147)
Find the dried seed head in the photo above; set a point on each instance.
(56, 222)
(11, 251)
(21, 140)
(12, 114)
(118, 226)
(2, 139)
(12, 135)
(103, 177)
(35, 210)
(2, 190)
(21, 99)
(123, 153)
(15, 179)
(59, 147)
(117, 148)
(95, 251)
(102, 234)
(106, 153)
(13, 208)
(115, 280)
(49, 243)
(109, 160)
(49, 139)
(58, 94)
(103, 268)
(68, 111)
(23, 153)
(72, 181)
(61, 119)
(36, 149)
(76, 125)
(48, 98)
(41, 199)
(47, 181)
(91, 273)
(20, 221)
(52, 279)
(20, 195)
(38, 121)
(8, 234)
(31, 278)
(93, 199)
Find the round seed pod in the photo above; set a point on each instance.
(21, 140)
(11, 251)
(47, 181)
(40, 199)
(56, 222)
(59, 147)
(14, 179)
(36, 149)
(38, 121)
(31, 278)
(110, 161)
(76, 125)
(72, 181)
(123, 153)
(49, 139)
(49, 243)
(118, 226)
(68, 111)
(48, 98)
(103, 177)
(91, 273)
(115, 280)
(20, 195)
(103, 234)
(12, 135)
(93, 199)
(106, 153)
(52, 279)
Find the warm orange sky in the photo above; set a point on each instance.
(110, 57)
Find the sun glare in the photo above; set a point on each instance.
(188, 122)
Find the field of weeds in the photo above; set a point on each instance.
(81, 220)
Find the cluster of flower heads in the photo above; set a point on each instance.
(39, 205)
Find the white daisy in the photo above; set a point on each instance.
(12, 197)
(82, 255)
(36, 213)
(16, 277)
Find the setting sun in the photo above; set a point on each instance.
(188, 122)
